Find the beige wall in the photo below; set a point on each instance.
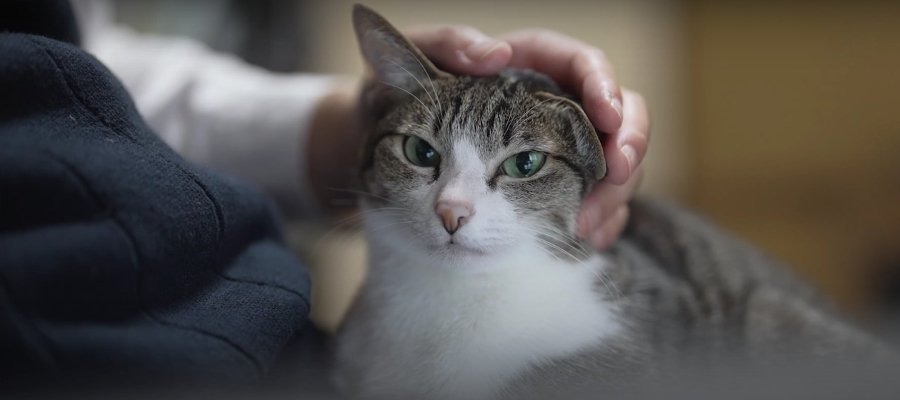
(796, 133)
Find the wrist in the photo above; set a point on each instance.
(333, 147)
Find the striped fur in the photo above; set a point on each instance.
(532, 310)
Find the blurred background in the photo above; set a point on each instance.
(778, 120)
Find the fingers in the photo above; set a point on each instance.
(461, 49)
(601, 219)
(625, 149)
(577, 67)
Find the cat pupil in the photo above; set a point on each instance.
(524, 163)
(425, 152)
(419, 152)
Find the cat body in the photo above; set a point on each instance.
(531, 324)
(441, 332)
(477, 286)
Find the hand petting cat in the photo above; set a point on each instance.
(580, 68)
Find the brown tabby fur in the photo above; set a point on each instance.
(686, 292)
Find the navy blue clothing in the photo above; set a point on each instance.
(54, 19)
(116, 255)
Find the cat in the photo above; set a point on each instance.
(477, 285)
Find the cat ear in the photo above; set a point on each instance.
(394, 60)
(587, 141)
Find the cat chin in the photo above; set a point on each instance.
(472, 259)
(463, 250)
(455, 253)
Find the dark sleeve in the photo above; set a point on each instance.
(49, 18)
(116, 255)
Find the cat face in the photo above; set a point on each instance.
(465, 167)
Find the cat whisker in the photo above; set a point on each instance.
(430, 113)
(434, 99)
(357, 216)
(430, 80)
(529, 112)
(564, 237)
(570, 238)
(349, 221)
(421, 126)
(541, 234)
(510, 122)
(576, 261)
(383, 228)
(365, 193)
(545, 242)
(602, 278)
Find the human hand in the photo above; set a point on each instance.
(579, 68)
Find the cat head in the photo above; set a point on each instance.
(464, 166)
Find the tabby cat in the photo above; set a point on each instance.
(478, 287)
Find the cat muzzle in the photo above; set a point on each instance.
(454, 214)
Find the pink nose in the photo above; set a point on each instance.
(454, 214)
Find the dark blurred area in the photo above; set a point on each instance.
(52, 17)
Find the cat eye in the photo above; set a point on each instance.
(419, 152)
(524, 164)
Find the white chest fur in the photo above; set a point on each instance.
(440, 332)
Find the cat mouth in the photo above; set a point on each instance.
(453, 245)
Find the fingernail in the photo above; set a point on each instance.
(616, 105)
(630, 156)
(482, 48)
(611, 98)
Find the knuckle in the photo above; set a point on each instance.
(446, 31)
(592, 60)
(638, 98)
(461, 33)
(598, 55)
(637, 139)
(534, 36)
(537, 31)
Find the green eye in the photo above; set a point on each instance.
(524, 164)
(419, 152)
